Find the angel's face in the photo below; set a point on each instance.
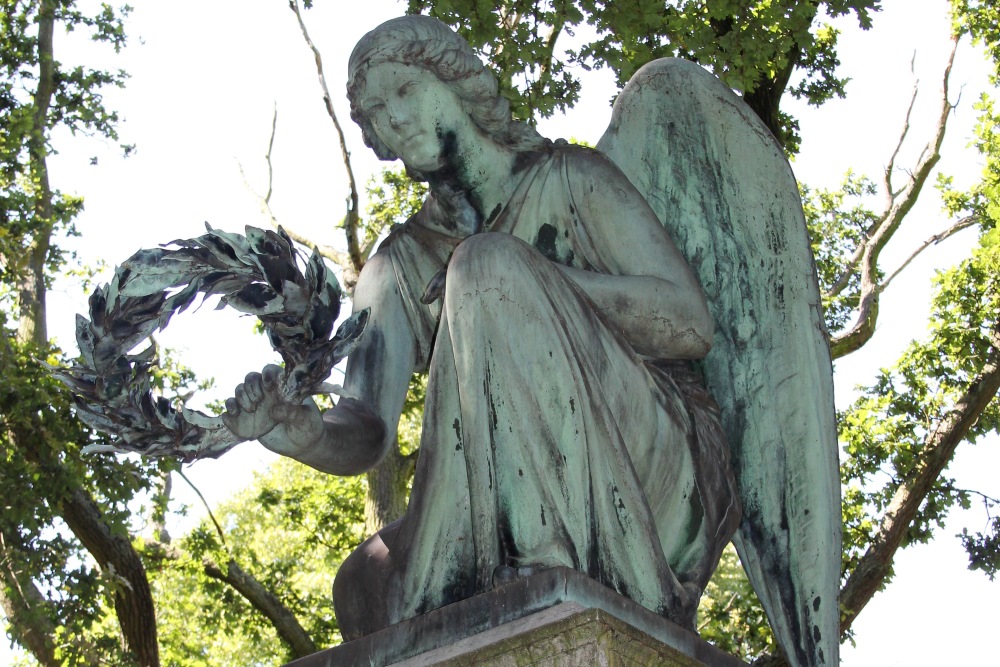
(414, 114)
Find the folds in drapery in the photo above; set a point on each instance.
(547, 441)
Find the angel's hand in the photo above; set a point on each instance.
(259, 412)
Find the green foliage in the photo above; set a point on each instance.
(730, 616)
(981, 20)
(36, 484)
(751, 45)
(518, 39)
(411, 421)
(984, 547)
(290, 529)
(392, 198)
(76, 104)
(838, 221)
(885, 432)
(982, 200)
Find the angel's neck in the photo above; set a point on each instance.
(481, 170)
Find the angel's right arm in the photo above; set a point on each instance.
(355, 434)
(377, 375)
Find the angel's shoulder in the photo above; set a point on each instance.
(593, 177)
(596, 183)
(583, 159)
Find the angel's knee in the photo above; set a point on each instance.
(488, 261)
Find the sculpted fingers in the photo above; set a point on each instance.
(239, 422)
(250, 392)
(248, 412)
(270, 376)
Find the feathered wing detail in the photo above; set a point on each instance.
(721, 185)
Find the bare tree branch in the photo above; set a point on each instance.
(352, 219)
(844, 279)
(329, 252)
(264, 601)
(218, 528)
(937, 452)
(898, 205)
(891, 166)
(961, 224)
(267, 157)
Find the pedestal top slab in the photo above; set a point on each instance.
(442, 635)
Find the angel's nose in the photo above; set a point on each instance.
(397, 118)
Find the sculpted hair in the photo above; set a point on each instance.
(426, 42)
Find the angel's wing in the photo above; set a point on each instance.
(721, 185)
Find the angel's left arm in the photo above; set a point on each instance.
(649, 291)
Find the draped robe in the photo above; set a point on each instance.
(547, 440)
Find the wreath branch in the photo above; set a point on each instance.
(257, 274)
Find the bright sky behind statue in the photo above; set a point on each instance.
(206, 77)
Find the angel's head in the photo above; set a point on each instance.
(417, 89)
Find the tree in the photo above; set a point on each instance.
(939, 396)
(942, 391)
(73, 584)
(291, 527)
(65, 544)
(754, 47)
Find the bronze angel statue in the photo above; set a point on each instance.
(626, 355)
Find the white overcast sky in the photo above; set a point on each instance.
(206, 77)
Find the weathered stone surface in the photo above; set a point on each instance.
(565, 636)
(577, 312)
(559, 617)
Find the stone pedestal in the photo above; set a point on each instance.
(557, 618)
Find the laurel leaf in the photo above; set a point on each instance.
(256, 299)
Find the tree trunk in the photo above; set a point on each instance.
(31, 279)
(25, 608)
(765, 101)
(117, 557)
(385, 500)
(113, 551)
(765, 98)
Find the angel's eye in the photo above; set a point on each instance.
(407, 88)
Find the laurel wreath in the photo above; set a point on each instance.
(257, 274)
